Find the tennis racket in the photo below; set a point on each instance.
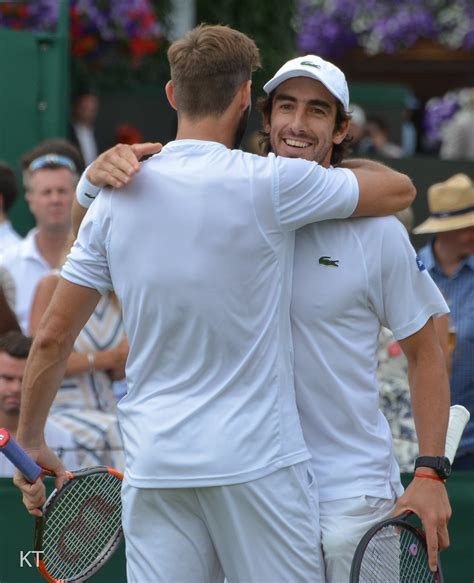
(81, 523)
(394, 550)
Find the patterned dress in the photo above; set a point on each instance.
(86, 404)
(395, 400)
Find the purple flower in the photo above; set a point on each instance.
(108, 20)
(438, 111)
(331, 27)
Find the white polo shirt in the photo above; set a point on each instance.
(27, 267)
(8, 235)
(351, 277)
(199, 249)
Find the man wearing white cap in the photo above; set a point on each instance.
(449, 258)
(351, 277)
(343, 287)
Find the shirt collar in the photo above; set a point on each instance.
(29, 247)
(470, 261)
(428, 256)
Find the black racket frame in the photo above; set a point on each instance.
(401, 521)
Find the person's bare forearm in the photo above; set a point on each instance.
(382, 190)
(43, 376)
(430, 394)
(70, 308)
(364, 163)
(430, 403)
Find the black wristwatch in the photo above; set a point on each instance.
(441, 465)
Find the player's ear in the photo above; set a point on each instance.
(341, 132)
(170, 94)
(245, 94)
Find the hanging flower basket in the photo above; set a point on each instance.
(333, 28)
(103, 32)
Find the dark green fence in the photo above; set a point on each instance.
(17, 563)
(34, 96)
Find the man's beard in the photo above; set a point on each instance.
(240, 130)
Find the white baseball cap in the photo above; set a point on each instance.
(315, 68)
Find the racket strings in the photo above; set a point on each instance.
(395, 555)
(82, 524)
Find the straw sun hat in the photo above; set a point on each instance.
(451, 205)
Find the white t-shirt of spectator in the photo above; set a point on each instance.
(8, 235)
(27, 267)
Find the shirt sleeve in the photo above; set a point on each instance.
(305, 192)
(403, 293)
(87, 264)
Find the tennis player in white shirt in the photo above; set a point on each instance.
(216, 480)
(349, 278)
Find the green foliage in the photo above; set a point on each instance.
(268, 22)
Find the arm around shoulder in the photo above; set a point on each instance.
(382, 190)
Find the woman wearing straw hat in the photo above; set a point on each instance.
(449, 258)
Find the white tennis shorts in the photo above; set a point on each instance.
(263, 531)
(343, 523)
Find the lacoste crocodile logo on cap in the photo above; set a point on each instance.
(310, 64)
(326, 260)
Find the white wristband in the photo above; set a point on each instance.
(86, 192)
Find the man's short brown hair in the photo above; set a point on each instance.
(208, 65)
(15, 344)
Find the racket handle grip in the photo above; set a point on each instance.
(18, 457)
(458, 419)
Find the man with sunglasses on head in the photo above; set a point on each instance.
(50, 174)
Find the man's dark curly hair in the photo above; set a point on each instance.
(339, 151)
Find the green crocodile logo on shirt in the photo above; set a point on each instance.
(326, 260)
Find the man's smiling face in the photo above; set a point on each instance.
(303, 119)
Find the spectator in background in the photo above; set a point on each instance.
(409, 131)
(458, 136)
(50, 175)
(449, 258)
(84, 109)
(14, 350)
(377, 142)
(86, 404)
(357, 128)
(8, 194)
